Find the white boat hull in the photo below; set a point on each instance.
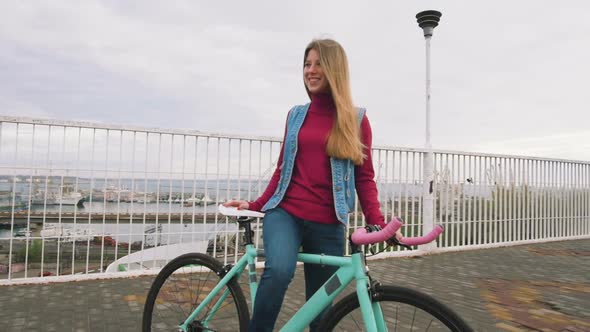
(155, 258)
(73, 199)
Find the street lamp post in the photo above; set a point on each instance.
(428, 20)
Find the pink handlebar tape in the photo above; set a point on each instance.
(360, 236)
(418, 240)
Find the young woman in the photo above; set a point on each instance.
(325, 157)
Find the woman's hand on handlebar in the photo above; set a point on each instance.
(241, 205)
(398, 235)
(396, 240)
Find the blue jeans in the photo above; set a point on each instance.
(283, 235)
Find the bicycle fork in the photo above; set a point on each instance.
(371, 311)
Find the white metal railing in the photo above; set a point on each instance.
(146, 193)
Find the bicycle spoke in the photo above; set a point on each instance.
(428, 327)
(403, 310)
(396, 319)
(180, 289)
(178, 300)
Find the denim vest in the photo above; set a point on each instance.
(343, 188)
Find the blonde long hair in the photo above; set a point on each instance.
(344, 140)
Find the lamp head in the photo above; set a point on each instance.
(428, 20)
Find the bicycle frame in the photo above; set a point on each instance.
(352, 267)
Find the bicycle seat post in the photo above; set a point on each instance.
(245, 222)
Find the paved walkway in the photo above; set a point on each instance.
(541, 287)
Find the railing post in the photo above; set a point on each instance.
(428, 20)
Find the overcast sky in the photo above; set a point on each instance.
(508, 77)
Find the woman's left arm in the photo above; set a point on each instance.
(364, 176)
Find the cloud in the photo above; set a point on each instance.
(572, 146)
(219, 68)
(199, 68)
(18, 107)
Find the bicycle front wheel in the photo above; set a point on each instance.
(182, 285)
(403, 310)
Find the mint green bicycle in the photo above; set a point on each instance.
(195, 292)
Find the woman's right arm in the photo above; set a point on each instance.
(268, 192)
(270, 188)
(266, 195)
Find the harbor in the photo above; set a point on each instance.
(27, 200)
(51, 228)
(99, 212)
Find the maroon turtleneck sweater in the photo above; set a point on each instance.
(309, 195)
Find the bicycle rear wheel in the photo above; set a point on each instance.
(182, 285)
(403, 310)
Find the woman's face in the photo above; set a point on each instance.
(313, 74)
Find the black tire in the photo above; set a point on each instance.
(403, 310)
(181, 286)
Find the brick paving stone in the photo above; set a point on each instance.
(521, 288)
